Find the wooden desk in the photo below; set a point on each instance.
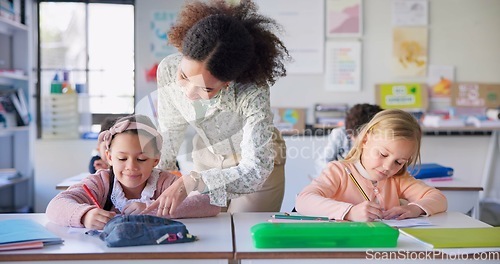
(245, 252)
(214, 245)
(463, 196)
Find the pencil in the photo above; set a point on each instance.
(91, 196)
(357, 184)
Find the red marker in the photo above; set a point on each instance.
(87, 190)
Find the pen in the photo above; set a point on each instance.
(300, 217)
(87, 190)
(357, 184)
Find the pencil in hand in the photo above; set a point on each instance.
(357, 184)
(91, 196)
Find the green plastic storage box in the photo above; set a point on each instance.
(324, 235)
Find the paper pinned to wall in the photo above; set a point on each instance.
(410, 12)
(410, 51)
(303, 25)
(343, 66)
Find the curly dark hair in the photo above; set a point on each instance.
(235, 42)
(358, 115)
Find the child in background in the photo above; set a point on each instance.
(130, 184)
(378, 162)
(340, 139)
(99, 161)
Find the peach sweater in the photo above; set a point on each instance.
(68, 207)
(333, 193)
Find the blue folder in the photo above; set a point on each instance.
(25, 230)
(431, 170)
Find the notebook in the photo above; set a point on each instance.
(456, 237)
(25, 233)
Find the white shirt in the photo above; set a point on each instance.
(238, 122)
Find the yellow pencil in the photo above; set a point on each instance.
(357, 184)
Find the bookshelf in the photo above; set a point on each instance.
(17, 78)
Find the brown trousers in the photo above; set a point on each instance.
(269, 197)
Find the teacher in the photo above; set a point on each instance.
(219, 84)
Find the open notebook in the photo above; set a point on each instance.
(24, 234)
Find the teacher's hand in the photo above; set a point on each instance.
(169, 200)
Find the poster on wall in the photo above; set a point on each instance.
(475, 95)
(408, 96)
(344, 18)
(161, 22)
(439, 79)
(410, 12)
(409, 51)
(303, 31)
(343, 66)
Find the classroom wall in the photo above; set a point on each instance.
(463, 33)
(144, 10)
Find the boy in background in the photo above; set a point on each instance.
(340, 139)
(99, 161)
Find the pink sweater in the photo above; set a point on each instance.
(68, 207)
(333, 193)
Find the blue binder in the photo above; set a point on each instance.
(431, 170)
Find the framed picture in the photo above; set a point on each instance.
(344, 18)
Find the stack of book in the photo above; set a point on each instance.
(330, 115)
(8, 10)
(9, 174)
(25, 234)
(13, 107)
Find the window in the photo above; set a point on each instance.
(91, 46)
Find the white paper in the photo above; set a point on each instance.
(410, 222)
(410, 12)
(303, 36)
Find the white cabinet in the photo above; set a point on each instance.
(17, 77)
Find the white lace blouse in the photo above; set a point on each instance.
(118, 195)
(238, 122)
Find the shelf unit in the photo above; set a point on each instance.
(16, 72)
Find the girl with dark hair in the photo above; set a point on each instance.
(131, 183)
